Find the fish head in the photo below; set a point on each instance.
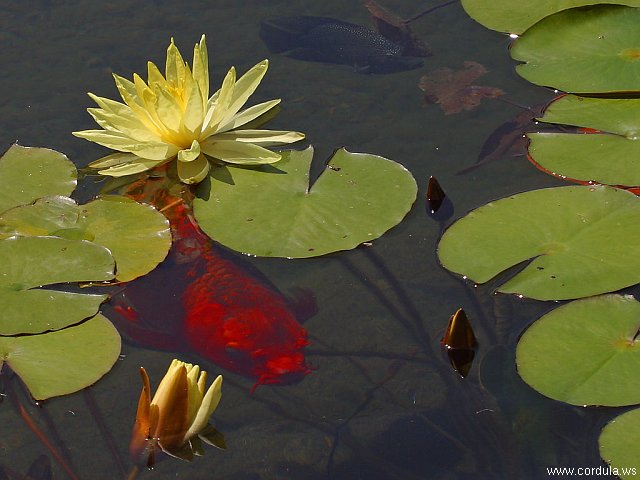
(285, 369)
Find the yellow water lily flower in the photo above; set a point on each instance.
(177, 418)
(172, 116)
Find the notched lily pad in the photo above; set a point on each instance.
(620, 444)
(30, 262)
(137, 235)
(586, 50)
(64, 361)
(580, 241)
(28, 173)
(585, 352)
(607, 154)
(270, 211)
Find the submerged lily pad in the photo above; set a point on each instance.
(620, 444)
(580, 241)
(137, 235)
(28, 173)
(517, 16)
(609, 157)
(270, 211)
(64, 361)
(587, 50)
(585, 352)
(30, 262)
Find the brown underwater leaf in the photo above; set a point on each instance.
(392, 27)
(507, 139)
(453, 89)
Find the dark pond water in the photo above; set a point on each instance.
(383, 402)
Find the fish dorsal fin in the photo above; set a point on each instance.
(303, 303)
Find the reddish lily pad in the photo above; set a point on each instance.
(607, 154)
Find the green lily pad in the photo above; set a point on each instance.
(28, 173)
(609, 157)
(585, 352)
(620, 444)
(30, 262)
(137, 235)
(580, 240)
(618, 116)
(587, 50)
(511, 16)
(64, 361)
(270, 211)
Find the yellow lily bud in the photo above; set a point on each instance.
(177, 417)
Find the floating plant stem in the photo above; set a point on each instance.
(106, 434)
(28, 420)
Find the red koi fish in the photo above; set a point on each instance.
(227, 315)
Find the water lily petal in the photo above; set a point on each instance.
(154, 76)
(195, 396)
(138, 166)
(175, 66)
(142, 428)
(189, 154)
(248, 114)
(193, 172)
(127, 90)
(172, 405)
(244, 88)
(217, 112)
(129, 94)
(113, 160)
(123, 143)
(201, 68)
(209, 404)
(127, 124)
(194, 108)
(168, 109)
(261, 137)
(238, 152)
(127, 117)
(144, 93)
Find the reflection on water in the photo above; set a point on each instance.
(382, 401)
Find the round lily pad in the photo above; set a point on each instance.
(137, 235)
(585, 352)
(28, 173)
(606, 155)
(30, 262)
(620, 444)
(578, 240)
(64, 361)
(517, 16)
(271, 211)
(586, 50)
